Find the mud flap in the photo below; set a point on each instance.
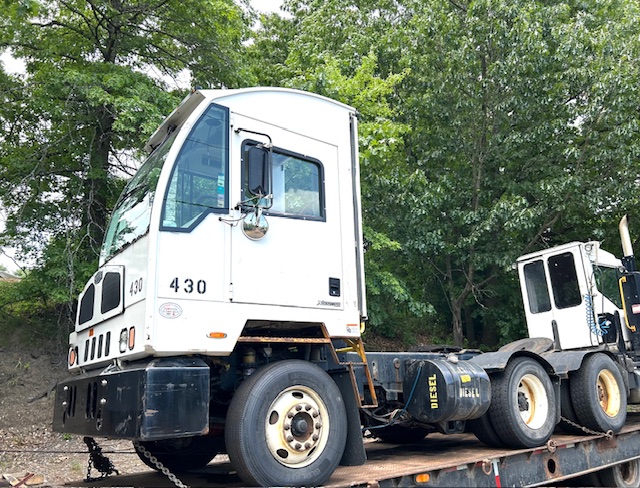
(354, 452)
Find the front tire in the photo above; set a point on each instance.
(599, 393)
(523, 404)
(286, 426)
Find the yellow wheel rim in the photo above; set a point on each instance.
(608, 393)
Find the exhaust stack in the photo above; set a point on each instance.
(628, 259)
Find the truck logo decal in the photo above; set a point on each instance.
(170, 310)
(329, 304)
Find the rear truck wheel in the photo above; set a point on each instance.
(181, 454)
(523, 404)
(623, 475)
(400, 434)
(286, 426)
(483, 429)
(599, 394)
(567, 411)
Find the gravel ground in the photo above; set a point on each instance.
(27, 442)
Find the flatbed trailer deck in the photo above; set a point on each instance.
(443, 460)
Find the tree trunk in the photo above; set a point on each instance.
(458, 335)
(96, 184)
(469, 325)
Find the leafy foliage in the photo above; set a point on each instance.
(73, 125)
(514, 126)
(488, 128)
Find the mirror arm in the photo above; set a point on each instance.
(267, 146)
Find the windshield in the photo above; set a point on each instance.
(607, 282)
(131, 216)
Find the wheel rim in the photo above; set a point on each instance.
(629, 472)
(297, 427)
(608, 393)
(532, 401)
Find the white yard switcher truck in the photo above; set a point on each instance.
(226, 314)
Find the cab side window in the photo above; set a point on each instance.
(297, 184)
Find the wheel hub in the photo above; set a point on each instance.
(297, 427)
(302, 427)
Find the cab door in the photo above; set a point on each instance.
(298, 262)
(557, 295)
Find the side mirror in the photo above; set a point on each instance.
(259, 171)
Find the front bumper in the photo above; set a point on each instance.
(154, 399)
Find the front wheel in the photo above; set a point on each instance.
(598, 391)
(286, 426)
(523, 404)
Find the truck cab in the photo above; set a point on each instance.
(243, 213)
(571, 295)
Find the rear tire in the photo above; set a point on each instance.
(286, 426)
(567, 411)
(181, 454)
(623, 475)
(523, 404)
(483, 429)
(600, 394)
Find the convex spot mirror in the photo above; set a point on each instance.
(255, 225)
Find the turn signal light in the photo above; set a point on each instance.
(217, 335)
(132, 337)
(423, 478)
(73, 356)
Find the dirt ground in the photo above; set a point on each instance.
(27, 442)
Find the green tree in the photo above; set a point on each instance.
(524, 129)
(94, 89)
(519, 130)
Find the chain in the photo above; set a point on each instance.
(161, 467)
(608, 434)
(98, 460)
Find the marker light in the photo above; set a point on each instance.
(132, 337)
(217, 335)
(423, 478)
